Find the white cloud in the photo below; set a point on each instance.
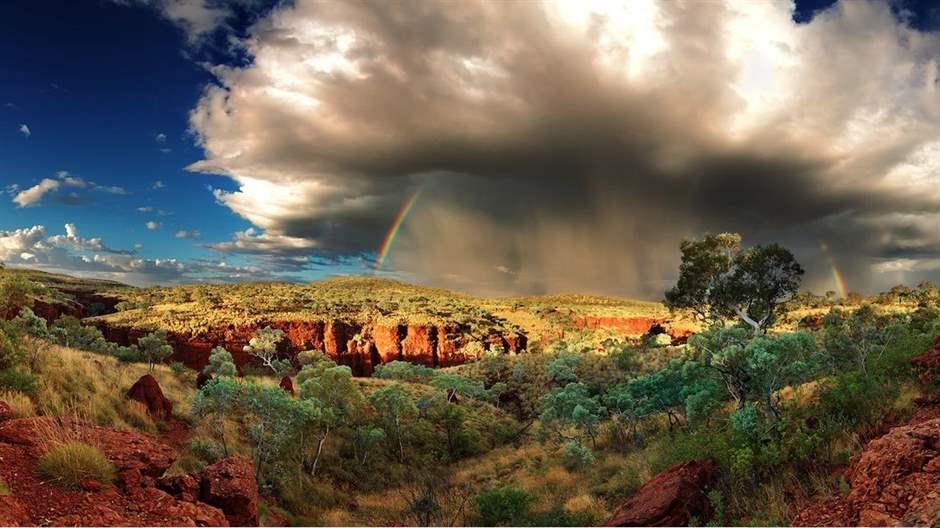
(152, 226)
(34, 194)
(252, 242)
(24, 129)
(192, 234)
(147, 209)
(158, 185)
(160, 138)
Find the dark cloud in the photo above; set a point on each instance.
(565, 147)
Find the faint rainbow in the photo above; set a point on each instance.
(836, 274)
(396, 225)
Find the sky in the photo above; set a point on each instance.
(491, 147)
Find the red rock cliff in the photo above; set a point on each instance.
(361, 347)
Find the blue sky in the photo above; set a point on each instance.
(553, 146)
(105, 91)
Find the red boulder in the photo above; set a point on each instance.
(671, 498)
(287, 384)
(230, 485)
(147, 391)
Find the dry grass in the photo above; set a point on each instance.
(73, 382)
(20, 404)
(4, 489)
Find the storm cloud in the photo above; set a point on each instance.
(572, 145)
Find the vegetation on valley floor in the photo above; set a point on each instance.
(556, 438)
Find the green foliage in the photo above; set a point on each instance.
(16, 292)
(220, 363)
(502, 507)
(456, 385)
(10, 353)
(263, 346)
(720, 280)
(19, 380)
(271, 417)
(571, 407)
(333, 401)
(70, 463)
(404, 371)
(577, 456)
(395, 408)
(29, 323)
(753, 369)
(563, 369)
(854, 339)
(178, 368)
(154, 348)
(217, 400)
(205, 450)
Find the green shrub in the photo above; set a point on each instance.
(17, 380)
(502, 507)
(208, 451)
(72, 462)
(4, 489)
(577, 456)
(178, 368)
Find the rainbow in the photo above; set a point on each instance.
(836, 274)
(393, 231)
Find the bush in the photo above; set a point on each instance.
(502, 507)
(577, 456)
(128, 355)
(72, 462)
(17, 380)
(208, 451)
(178, 368)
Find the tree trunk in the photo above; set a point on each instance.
(316, 459)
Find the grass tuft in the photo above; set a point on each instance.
(70, 463)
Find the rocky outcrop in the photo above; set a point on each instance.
(6, 412)
(141, 497)
(671, 498)
(928, 363)
(146, 390)
(230, 485)
(129, 451)
(895, 482)
(361, 347)
(12, 512)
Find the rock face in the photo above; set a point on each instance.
(6, 412)
(671, 498)
(230, 485)
(928, 363)
(147, 391)
(895, 482)
(12, 513)
(362, 347)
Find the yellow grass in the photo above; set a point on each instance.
(20, 404)
(73, 382)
